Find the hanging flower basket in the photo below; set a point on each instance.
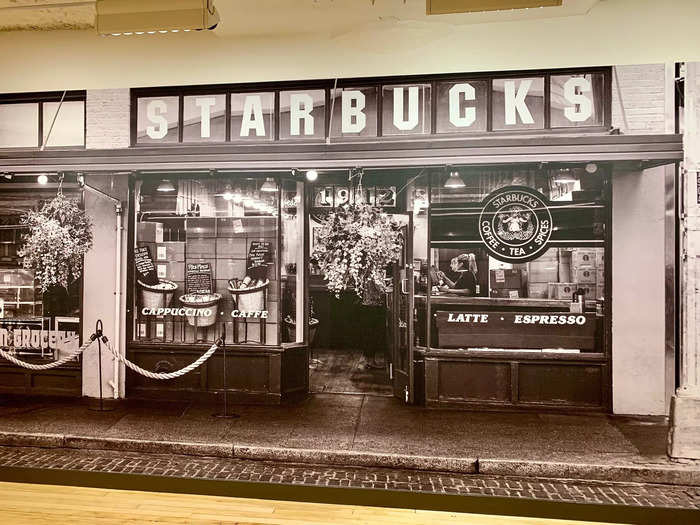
(355, 245)
(60, 234)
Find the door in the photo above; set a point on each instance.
(402, 318)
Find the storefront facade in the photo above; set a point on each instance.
(528, 174)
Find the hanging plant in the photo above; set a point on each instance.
(355, 244)
(60, 234)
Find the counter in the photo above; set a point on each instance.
(512, 353)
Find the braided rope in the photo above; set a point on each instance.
(47, 366)
(164, 375)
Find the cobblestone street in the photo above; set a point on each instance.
(571, 491)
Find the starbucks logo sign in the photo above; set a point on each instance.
(515, 224)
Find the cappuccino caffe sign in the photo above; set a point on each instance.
(515, 224)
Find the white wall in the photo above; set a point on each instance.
(613, 32)
(638, 323)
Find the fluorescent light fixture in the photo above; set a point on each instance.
(129, 17)
(165, 186)
(454, 181)
(311, 175)
(42, 179)
(443, 7)
(269, 185)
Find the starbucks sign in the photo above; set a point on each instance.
(515, 224)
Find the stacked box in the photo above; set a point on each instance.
(506, 293)
(172, 271)
(583, 258)
(543, 271)
(540, 272)
(149, 232)
(585, 276)
(171, 251)
(538, 290)
(506, 283)
(562, 291)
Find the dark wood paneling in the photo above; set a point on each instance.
(561, 384)
(465, 381)
(474, 382)
(64, 381)
(253, 375)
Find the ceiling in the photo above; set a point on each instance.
(332, 17)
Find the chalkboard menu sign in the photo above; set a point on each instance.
(145, 268)
(198, 278)
(259, 258)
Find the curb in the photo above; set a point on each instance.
(350, 458)
(347, 458)
(590, 471)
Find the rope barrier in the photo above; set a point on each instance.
(47, 366)
(117, 355)
(164, 375)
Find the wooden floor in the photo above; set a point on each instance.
(51, 504)
(341, 371)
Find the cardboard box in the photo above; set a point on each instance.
(600, 276)
(600, 257)
(506, 293)
(589, 291)
(584, 275)
(549, 255)
(538, 290)
(583, 258)
(200, 248)
(172, 271)
(562, 290)
(564, 272)
(149, 232)
(508, 279)
(200, 227)
(173, 251)
(543, 271)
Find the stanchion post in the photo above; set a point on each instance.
(100, 337)
(221, 342)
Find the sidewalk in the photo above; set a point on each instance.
(357, 430)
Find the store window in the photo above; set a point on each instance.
(303, 114)
(30, 121)
(204, 118)
(354, 112)
(406, 109)
(462, 106)
(33, 323)
(518, 103)
(585, 91)
(208, 259)
(253, 116)
(525, 248)
(157, 120)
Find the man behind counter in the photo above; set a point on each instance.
(466, 283)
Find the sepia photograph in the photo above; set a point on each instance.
(364, 289)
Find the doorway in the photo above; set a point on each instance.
(350, 351)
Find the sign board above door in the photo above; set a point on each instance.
(374, 108)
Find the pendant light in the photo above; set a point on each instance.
(454, 181)
(165, 186)
(269, 185)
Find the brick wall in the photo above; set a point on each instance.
(639, 97)
(107, 112)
